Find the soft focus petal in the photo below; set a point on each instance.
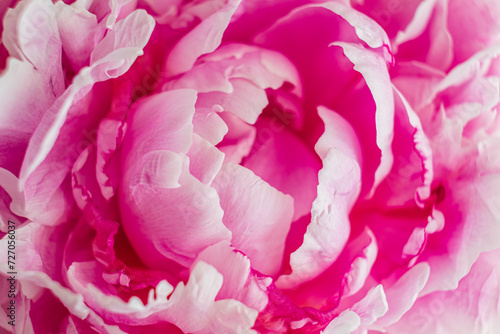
(470, 308)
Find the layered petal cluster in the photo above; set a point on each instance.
(246, 166)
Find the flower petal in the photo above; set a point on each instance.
(338, 189)
(204, 38)
(258, 215)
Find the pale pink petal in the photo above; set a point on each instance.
(374, 71)
(361, 266)
(403, 293)
(234, 79)
(412, 174)
(416, 81)
(204, 38)
(239, 140)
(339, 185)
(265, 68)
(191, 307)
(338, 189)
(393, 16)
(473, 26)
(468, 231)
(281, 158)
(110, 135)
(418, 23)
(434, 46)
(208, 124)
(338, 133)
(372, 306)
(11, 185)
(470, 308)
(156, 176)
(245, 100)
(342, 283)
(45, 189)
(258, 215)
(345, 323)
(118, 10)
(31, 82)
(33, 274)
(111, 58)
(31, 33)
(80, 37)
(240, 282)
(205, 160)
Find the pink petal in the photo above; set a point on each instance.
(393, 17)
(339, 186)
(345, 322)
(470, 308)
(403, 293)
(240, 282)
(368, 108)
(258, 215)
(413, 171)
(473, 27)
(80, 37)
(283, 160)
(191, 217)
(239, 140)
(434, 46)
(208, 124)
(245, 101)
(205, 160)
(341, 284)
(191, 307)
(372, 306)
(30, 33)
(111, 58)
(234, 79)
(204, 38)
(374, 71)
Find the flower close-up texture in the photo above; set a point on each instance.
(250, 166)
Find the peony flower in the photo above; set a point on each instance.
(250, 166)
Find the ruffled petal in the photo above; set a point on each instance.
(403, 293)
(282, 159)
(191, 307)
(204, 38)
(374, 71)
(470, 308)
(338, 189)
(111, 58)
(156, 175)
(81, 36)
(258, 215)
(240, 282)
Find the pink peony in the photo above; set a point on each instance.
(250, 166)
